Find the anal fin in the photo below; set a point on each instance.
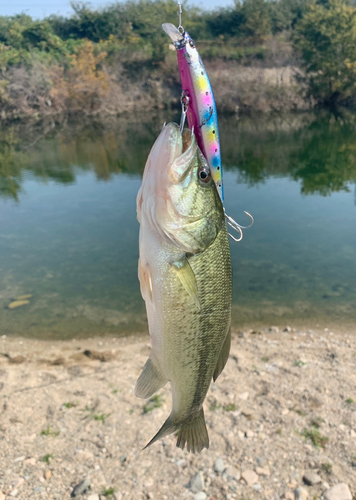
(223, 356)
(150, 380)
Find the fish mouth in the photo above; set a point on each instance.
(184, 163)
(176, 155)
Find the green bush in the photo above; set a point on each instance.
(326, 40)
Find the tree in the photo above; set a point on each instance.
(284, 14)
(257, 22)
(326, 40)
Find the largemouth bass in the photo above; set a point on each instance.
(201, 113)
(186, 282)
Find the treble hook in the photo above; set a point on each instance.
(237, 227)
(180, 10)
(184, 99)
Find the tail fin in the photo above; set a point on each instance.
(194, 433)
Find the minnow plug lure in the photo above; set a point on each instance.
(198, 101)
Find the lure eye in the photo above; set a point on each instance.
(191, 43)
(204, 175)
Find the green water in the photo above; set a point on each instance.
(69, 235)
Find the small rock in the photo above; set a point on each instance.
(243, 396)
(250, 434)
(338, 492)
(260, 460)
(197, 483)
(274, 329)
(93, 497)
(2, 496)
(250, 477)
(289, 495)
(14, 492)
(29, 439)
(24, 297)
(17, 360)
(38, 489)
(287, 329)
(200, 496)
(18, 303)
(301, 494)
(232, 473)
(310, 478)
(240, 435)
(325, 485)
(47, 475)
(30, 461)
(257, 487)
(82, 487)
(219, 465)
(263, 471)
(102, 356)
(20, 459)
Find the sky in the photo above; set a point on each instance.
(43, 8)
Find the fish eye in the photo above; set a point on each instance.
(204, 175)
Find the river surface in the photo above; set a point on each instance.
(69, 235)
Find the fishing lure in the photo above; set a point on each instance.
(198, 102)
(198, 105)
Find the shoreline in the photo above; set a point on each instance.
(238, 90)
(283, 407)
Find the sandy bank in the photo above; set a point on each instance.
(284, 406)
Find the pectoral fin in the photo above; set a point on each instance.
(187, 278)
(145, 278)
(150, 380)
(223, 356)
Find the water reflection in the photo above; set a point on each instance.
(56, 153)
(317, 150)
(326, 162)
